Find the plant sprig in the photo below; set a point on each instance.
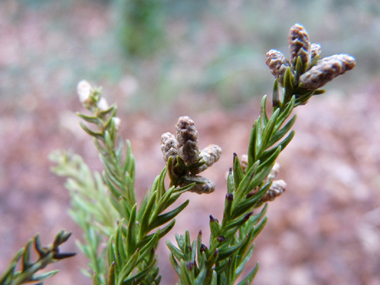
(232, 241)
(91, 209)
(133, 239)
(130, 250)
(46, 255)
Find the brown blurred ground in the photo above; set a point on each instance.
(324, 230)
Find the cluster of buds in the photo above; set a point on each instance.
(181, 152)
(91, 97)
(276, 189)
(103, 115)
(309, 72)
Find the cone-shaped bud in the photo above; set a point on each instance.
(299, 44)
(278, 187)
(205, 187)
(277, 64)
(169, 146)
(210, 155)
(326, 70)
(187, 137)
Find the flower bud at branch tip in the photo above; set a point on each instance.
(84, 90)
(187, 137)
(210, 155)
(299, 44)
(169, 146)
(326, 70)
(277, 64)
(306, 70)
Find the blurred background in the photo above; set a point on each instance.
(162, 59)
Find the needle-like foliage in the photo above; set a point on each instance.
(46, 255)
(126, 233)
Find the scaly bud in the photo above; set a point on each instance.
(169, 146)
(187, 137)
(326, 70)
(299, 44)
(205, 185)
(210, 155)
(277, 64)
(278, 187)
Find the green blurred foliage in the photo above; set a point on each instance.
(140, 26)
